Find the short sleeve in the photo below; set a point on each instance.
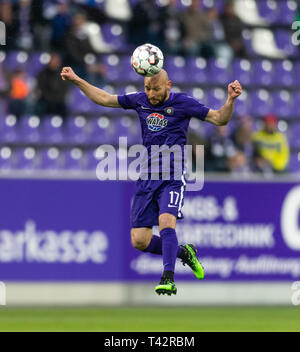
(195, 109)
(128, 101)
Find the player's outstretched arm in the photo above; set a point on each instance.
(97, 95)
(223, 115)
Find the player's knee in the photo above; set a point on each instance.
(138, 241)
(167, 221)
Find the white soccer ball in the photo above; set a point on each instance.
(147, 60)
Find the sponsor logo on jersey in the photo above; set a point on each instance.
(156, 122)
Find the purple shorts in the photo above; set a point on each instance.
(154, 198)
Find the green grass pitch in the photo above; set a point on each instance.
(151, 319)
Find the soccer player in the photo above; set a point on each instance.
(159, 202)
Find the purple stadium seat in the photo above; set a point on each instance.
(216, 98)
(284, 42)
(52, 130)
(37, 62)
(262, 72)
(294, 165)
(27, 158)
(268, 10)
(74, 159)
(247, 39)
(287, 12)
(284, 74)
(51, 159)
(29, 129)
(126, 71)
(175, 66)
(100, 130)
(242, 104)
(282, 104)
(197, 93)
(218, 71)
(91, 159)
(241, 70)
(114, 34)
(197, 70)
(77, 129)
(114, 66)
(17, 59)
(79, 103)
(7, 158)
(294, 136)
(296, 105)
(260, 103)
(126, 126)
(8, 128)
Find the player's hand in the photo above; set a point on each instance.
(234, 89)
(68, 74)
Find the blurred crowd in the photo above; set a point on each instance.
(61, 24)
(72, 29)
(243, 149)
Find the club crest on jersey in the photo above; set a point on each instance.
(156, 122)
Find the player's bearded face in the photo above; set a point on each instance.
(156, 95)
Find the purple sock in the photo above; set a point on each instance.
(169, 248)
(155, 246)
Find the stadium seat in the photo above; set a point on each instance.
(100, 130)
(52, 130)
(79, 103)
(294, 165)
(114, 67)
(216, 98)
(287, 12)
(8, 128)
(268, 10)
(37, 62)
(114, 34)
(294, 136)
(218, 71)
(284, 42)
(17, 60)
(91, 159)
(7, 158)
(197, 93)
(29, 129)
(175, 66)
(261, 103)
(74, 159)
(196, 70)
(241, 70)
(262, 72)
(264, 44)
(284, 74)
(248, 12)
(77, 130)
(51, 159)
(126, 126)
(127, 72)
(27, 158)
(242, 104)
(296, 105)
(282, 103)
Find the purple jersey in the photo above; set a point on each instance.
(165, 124)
